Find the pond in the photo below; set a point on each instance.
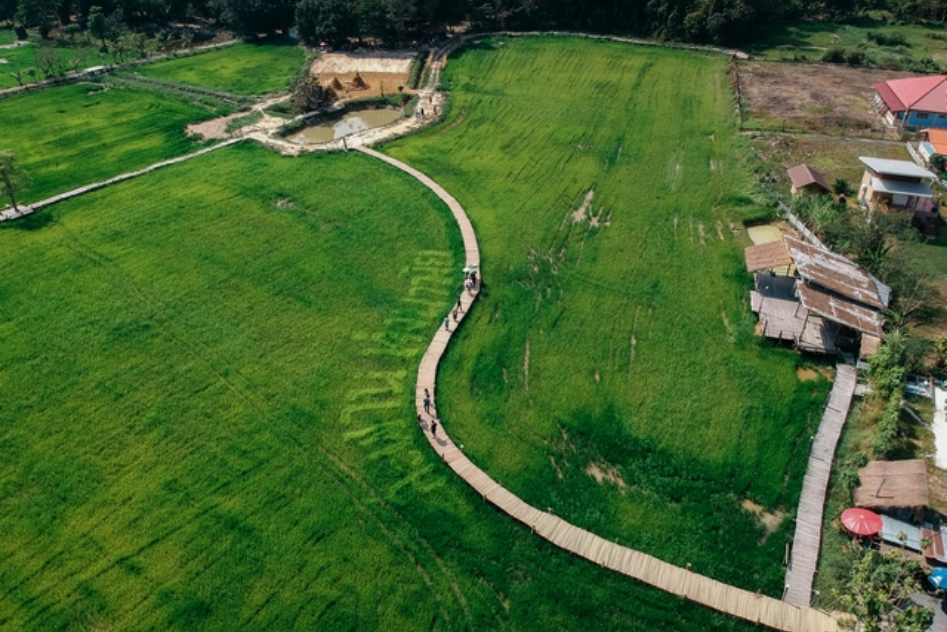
(349, 124)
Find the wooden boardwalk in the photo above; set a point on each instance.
(753, 607)
(808, 536)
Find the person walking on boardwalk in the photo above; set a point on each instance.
(447, 323)
(460, 305)
(420, 420)
(434, 427)
(455, 314)
(468, 285)
(427, 402)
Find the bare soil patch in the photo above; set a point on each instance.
(381, 73)
(824, 98)
(769, 519)
(808, 375)
(604, 472)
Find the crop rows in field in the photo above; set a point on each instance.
(212, 429)
(73, 135)
(612, 373)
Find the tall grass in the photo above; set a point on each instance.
(241, 69)
(207, 420)
(625, 346)
(73, 135)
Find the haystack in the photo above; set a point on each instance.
(335, 84)
(358, 83)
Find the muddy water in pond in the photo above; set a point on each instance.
(351, 123)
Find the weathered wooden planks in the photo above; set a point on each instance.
(808, 535)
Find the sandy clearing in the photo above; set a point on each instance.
(398, 62)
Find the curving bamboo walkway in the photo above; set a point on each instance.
(753, 607)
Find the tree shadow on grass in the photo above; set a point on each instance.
(34, 221)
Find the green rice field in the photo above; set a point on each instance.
(611, 372)
(207, 420)
(73, 135)
(242, 68)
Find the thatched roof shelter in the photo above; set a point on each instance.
(894, 484)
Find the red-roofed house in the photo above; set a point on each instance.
(913, 103)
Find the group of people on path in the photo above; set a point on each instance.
(419, 111)
(470, 283)
(427, 408)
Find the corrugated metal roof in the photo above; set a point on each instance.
(899, 187)
(888, 167)
(837, 273)
(840, 310)
(804, 175)
(765, 256)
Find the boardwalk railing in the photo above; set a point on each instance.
(754, 607)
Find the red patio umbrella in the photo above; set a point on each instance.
(861, 521)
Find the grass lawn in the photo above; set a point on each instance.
(207, 419)
(73, 135)
(241, 69)
(611, 372)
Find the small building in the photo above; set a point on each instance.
(892, 486)
(912, 103)
(933, 141)
(896, 185)
(828, 305)
(805, 178)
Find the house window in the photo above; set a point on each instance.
(941, 117)
(922, 116)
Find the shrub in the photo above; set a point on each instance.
(887, 429)
(414, 78)
(921, 64)
(842, 187)
(887, 39)
(834, 56)
(886, 372)
(855, 58)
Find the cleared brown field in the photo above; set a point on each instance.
(821, 98)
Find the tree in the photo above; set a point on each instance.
(38, 13)
(99, 25)
(13, 179)
(250, 17)
(878, 593)
(319, 20)
(308, 94)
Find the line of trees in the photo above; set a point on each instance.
(705, 21)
